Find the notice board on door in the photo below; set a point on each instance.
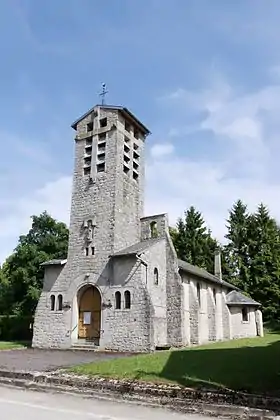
(87, 318)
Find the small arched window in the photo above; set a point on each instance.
(153, 229)
(156, 276)
(198, 293)
(52, 302)
(118, 300)
(59, 302)
(127, 300)
(214, 296)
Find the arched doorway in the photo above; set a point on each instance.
(89, 301)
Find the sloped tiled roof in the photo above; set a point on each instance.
(122, 109)
(236, 298)
(137, 248)
(54, 262)
(200, 272)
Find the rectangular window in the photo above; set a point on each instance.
(135, 166)
(88, 150)
(101, 147)
(86, 252)
(245, 315)
(103, 122)
(100, 167)
(87, 160)
(90, 126)
(87, 170)
(126, 148)
(101, 156)
(126, 158)
(89, 141)
(125, 169)
(127, 126)
(126, 139)
(92, 250)
(102, 137)
(136, 155)
(135, 176)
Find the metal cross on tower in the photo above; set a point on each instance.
(103, 93)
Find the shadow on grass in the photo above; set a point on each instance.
(15, 344)
(249, 369)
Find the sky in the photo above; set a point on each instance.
(203, 75)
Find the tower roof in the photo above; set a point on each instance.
(126, 113)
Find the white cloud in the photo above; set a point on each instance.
(53, 197)
(161, 150)
(244, 129)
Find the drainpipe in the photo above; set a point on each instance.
(145, 264)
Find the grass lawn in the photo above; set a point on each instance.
(251, 365)
(8, 345)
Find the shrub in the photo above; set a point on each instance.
(16, 328)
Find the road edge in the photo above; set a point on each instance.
(227, 404)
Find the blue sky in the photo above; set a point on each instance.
(203, 76)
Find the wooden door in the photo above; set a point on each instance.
(90, 314)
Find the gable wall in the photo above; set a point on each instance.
(241, 328)
(155, 257)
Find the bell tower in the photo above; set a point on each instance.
(108, 184)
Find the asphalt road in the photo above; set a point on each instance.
(18, 404)
(35, 360)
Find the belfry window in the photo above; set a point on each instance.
(103, 122)
(90, 126)
(153, 229)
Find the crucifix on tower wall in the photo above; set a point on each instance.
(89, 231)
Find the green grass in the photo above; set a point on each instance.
(250, 365)
(9, 345)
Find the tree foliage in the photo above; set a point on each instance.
(193, 241)
(236, 250)
(250, 256)
(253, 256)
(22, 274)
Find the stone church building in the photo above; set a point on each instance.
(122, 286)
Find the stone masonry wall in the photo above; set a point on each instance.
(211, 309)
(155, 257)
(175, 297)
(113, 200)
(240, 328)
(128, 329)
(225, 317)
(194, 313)
(161, 225)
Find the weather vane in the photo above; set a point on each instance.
(103, 93)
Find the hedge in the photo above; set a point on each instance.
(15, 328)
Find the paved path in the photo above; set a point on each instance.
(46, 360)
(27, 405)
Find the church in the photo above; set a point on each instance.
(122, 287)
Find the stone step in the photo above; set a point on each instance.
(84, 348)
(84, 345)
